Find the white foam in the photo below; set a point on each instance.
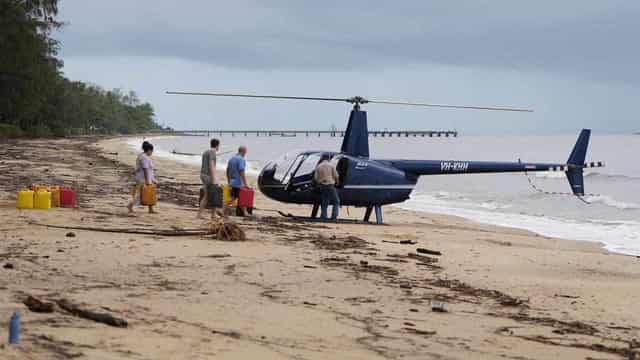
(619, 236)
(196, 160)
(609, 201)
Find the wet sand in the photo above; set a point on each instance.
(293, 289)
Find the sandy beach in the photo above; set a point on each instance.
(293, 289)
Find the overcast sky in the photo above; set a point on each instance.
(575, 62)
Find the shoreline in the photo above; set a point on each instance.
(167, 155)
(293, 289)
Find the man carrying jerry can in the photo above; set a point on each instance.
(212, 196)
(238, 181)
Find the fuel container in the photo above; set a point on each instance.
(25, 199)
(245, 198)
(226, 194)
(42, 200)
(55, 196)
(67, 197)
(148, 195)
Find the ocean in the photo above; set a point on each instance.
(612, 215)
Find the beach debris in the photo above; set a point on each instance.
(401, 242)
(439, 306)
(136, 231)
(8, 266)
(414, 310)
(70, 234)
(310, 267)
(429, 252)
(101, 317)
(339, 243)
(216, 256)
(364, 262)
(36, 305)
(309, 303)
(228, 333)
(567, 296)
(419, 332)
(14, 328)
(227, 231)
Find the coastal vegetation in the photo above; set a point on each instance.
(36, 99)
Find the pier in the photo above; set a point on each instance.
(307, 133)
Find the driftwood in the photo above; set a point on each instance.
(427, 251)
(36, 305)
(227, 231)
(137, 231)
(103, 318)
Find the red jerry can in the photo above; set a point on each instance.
(67, 197)
(245, 197)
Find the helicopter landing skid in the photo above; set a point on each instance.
(320, 220)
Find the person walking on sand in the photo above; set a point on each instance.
(236, 176)
(144, 175)
(326, 177)
(208, 177)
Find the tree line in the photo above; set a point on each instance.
(37, 100)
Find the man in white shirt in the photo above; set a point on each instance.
(326, 177)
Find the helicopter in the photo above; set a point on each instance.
(372, 183)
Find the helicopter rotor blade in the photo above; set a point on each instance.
(492, 108)
(352, 100)
(257, 96)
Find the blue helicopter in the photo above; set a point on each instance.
(372, 183)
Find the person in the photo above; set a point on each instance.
(144, 175)
(208, 177)
(326, 177)
(236, 176)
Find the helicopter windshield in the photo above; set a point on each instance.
(284, 164)
(308, 165)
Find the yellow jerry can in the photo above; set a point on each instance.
(226, 194)
(25, 199)
(42, 200)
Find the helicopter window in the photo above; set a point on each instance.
(292, 169)
(283, 164)
(309, 165)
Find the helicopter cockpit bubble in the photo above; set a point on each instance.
(283, 165)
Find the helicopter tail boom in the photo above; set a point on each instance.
(573, 168)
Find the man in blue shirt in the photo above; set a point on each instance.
(236, 175)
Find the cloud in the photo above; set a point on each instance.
(586, 39)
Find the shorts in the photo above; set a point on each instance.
(235, 192)
(206, 179)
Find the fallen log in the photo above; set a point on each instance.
(103, 318)
(36, 305)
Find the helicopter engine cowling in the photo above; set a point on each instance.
(364, 182)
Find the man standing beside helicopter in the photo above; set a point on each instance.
(326, 177)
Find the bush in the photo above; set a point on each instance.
(40, 131)
(10, 131)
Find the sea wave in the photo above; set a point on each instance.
(594, 175)
(617, 236)
(253, 167)
(609, 201)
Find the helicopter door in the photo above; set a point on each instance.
(286, 180)
(342, 168)
(303, 175)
